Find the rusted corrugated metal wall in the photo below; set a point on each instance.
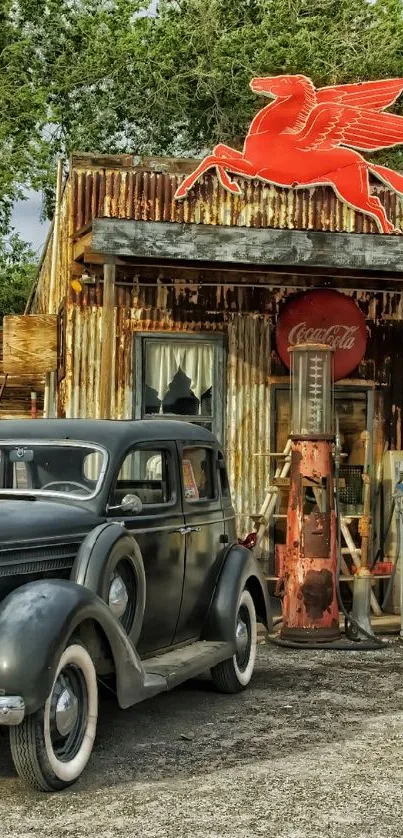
(248, 412)
(80, 398)
(247, 398)
(42, 302)
(144, 193)
(247, 317)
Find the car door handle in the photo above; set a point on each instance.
(187, 530)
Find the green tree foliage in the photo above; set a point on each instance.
(17, 272)
(102, 75)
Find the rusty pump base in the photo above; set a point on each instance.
(310, 609)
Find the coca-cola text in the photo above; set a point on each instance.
(338, 336)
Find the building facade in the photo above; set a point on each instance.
(168, 308)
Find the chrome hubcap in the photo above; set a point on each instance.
(242, 637)
(118, 597)
(66, 713)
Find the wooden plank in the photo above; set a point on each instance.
(246, 245)
(106, 366)
(29, 344)
(136, 162)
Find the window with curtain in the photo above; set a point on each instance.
(181, 378)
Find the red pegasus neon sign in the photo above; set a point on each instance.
(301, 139)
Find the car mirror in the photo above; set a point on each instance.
(131, 503)
(21, 455)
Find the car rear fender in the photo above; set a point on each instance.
(36, 623)
(239, 570)
(99, 554)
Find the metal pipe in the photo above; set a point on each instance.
(202, 284)
(50, 385)
(55, 242)
(364, 524)
(34, 411)
(107, 349)
(399, 547)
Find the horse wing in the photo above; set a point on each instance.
(373, 95)
(329, 126)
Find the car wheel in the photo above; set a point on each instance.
(51, 747)
(234, 674)
(122, 594)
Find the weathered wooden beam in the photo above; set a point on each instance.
(107, 332)
(81, 245)
(137, 162)
(247, 245)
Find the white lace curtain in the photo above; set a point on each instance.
(165, 358)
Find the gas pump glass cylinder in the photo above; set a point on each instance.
(311, 390)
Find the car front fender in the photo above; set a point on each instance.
(36, 622)
(97, 558)
(240, 570)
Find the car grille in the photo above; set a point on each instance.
(38, 559)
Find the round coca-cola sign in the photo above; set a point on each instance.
(324, 316)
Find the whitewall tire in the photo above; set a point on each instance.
(51, 747)
(234, 674)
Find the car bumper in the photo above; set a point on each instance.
(12, 710)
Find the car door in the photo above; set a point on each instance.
(205, 535)
(151, 472)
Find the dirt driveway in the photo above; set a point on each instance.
(313, 748)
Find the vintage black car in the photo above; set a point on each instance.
(118, 560)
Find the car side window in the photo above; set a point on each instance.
(145, 473)
(197, 474)
(21, 476)
(223, 478)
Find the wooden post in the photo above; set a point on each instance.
(107, 350)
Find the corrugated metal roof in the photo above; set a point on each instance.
(143, 189)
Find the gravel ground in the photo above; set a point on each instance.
(313, 748)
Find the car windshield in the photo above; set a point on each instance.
(63, 468)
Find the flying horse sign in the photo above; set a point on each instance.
(308, 137)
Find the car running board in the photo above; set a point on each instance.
(188, 662)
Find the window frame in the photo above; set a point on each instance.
(350, 387)
(211, 453)
(155, 447)
(226, 498)
(216, 420)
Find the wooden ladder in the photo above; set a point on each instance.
(355, 553)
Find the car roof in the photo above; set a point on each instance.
(113, 434)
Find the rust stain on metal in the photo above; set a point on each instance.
(316, 535)
(317, 592)
(144, 188)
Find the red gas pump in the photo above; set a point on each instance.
(310, 609)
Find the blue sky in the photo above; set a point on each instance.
(27, 221)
